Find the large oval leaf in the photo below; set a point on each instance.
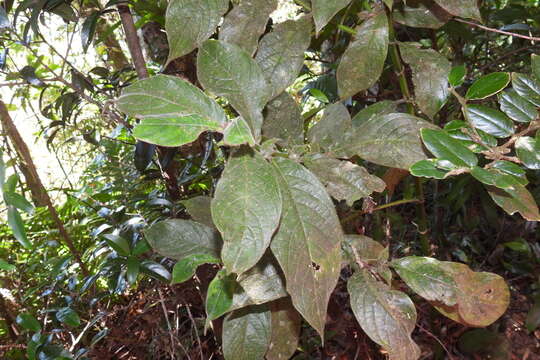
(16, 224)
(199, 209)
(219, 296)
(246, 333)
(380, 108)
(488, 85)
(416, 15)
(391, 140)
(324, 11)
(430, 72)
(190, 22)
(445, 147)
(177, 238)
(329, 130)
(228, 71)
(173, 111)
(363, 61)
(528, 151)
(281, 53)
(517, 107)
(516, 199)
(283, 120)
(246, 23)
(461, 8)
(527, 86)
(387, 316)
(246, 209)
(307, 244)
(489, 120)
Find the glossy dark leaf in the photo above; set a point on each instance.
(283, 120)
(177, 238)
(309, 233)
(363, 61)
(28, 73)
(488, 85)
(457, 75)
(16, 224)
(535, 64)
(68, 316)
(89, 29)
(427, 168)
(28, 322)
(246, 333)
(527, 86)
(189, 23)
(228, 71)
(324, 11)
(246, 22)
(155, 270)
(430, 72)
(285, 326)
(528, 151)
(173, 111)
(281, 53)
(517, 107)
(246, 209)
(118, 243)
(516, 200)
(132, 270)
(185, 269)
(219, 296)
(144, 153)
(444, 147)
(494, 177)
(490, 120)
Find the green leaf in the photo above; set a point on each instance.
(489, 120)
(329, 130)
(246, 22)
(228, 71)
(28, 73)
(488, 85)
(309, 233)
(219, 296)
(177, 238)
(533, 317)
(457, 75)
(428, 169)
(4, 20)
(173, 111)
(238, 133)
(28, 322)
(444, 147)
(324, 11)
(2, 172)
(246, 209)
(185, 269)
(285, 330)
(391, 140)
(4, 265)
(528, 87)
(343, 179)
(132, 271)
(516, 199)
(199, 209)
(471, 298)
(517, 107)
(430, 72)
(528, 151)
(19, 202)
(535, 64)
(68, 316)
(494, 177)
(283, 120)
(380, 108)
(89, 29)
(387, 316)
(16, 224)
(281, 53)
(416, 15)
(118, 243)
(462, 8)
(246, 333)
(189, 23)
(155, 270)
(509, 168)
(362, 63)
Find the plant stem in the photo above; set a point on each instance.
(133, 41)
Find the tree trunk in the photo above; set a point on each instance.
(36, 185)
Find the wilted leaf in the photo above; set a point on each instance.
(324, 11)
(329, 131)
(489, 120)
(387, 316)
(199, 209)
(173, 111)
(228, 71)
(517, 107)
(391, 140)
(363, 61)
(430, 72)
(516, 199)
(444, 147)
(283, 120)
(177, 238)
(185, 269)
(488, 85)
(343, 179)
(246, 333)
(418, 15)
(281, 53)
(462, 8)
(246, 209)
(308, 241)
(189, 23)
(528, 151)
(380, 108)
(246, 22)
(285, 330)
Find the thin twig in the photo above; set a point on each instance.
(532, 38)
(196, 331)
(436, 339)
(162, 301)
